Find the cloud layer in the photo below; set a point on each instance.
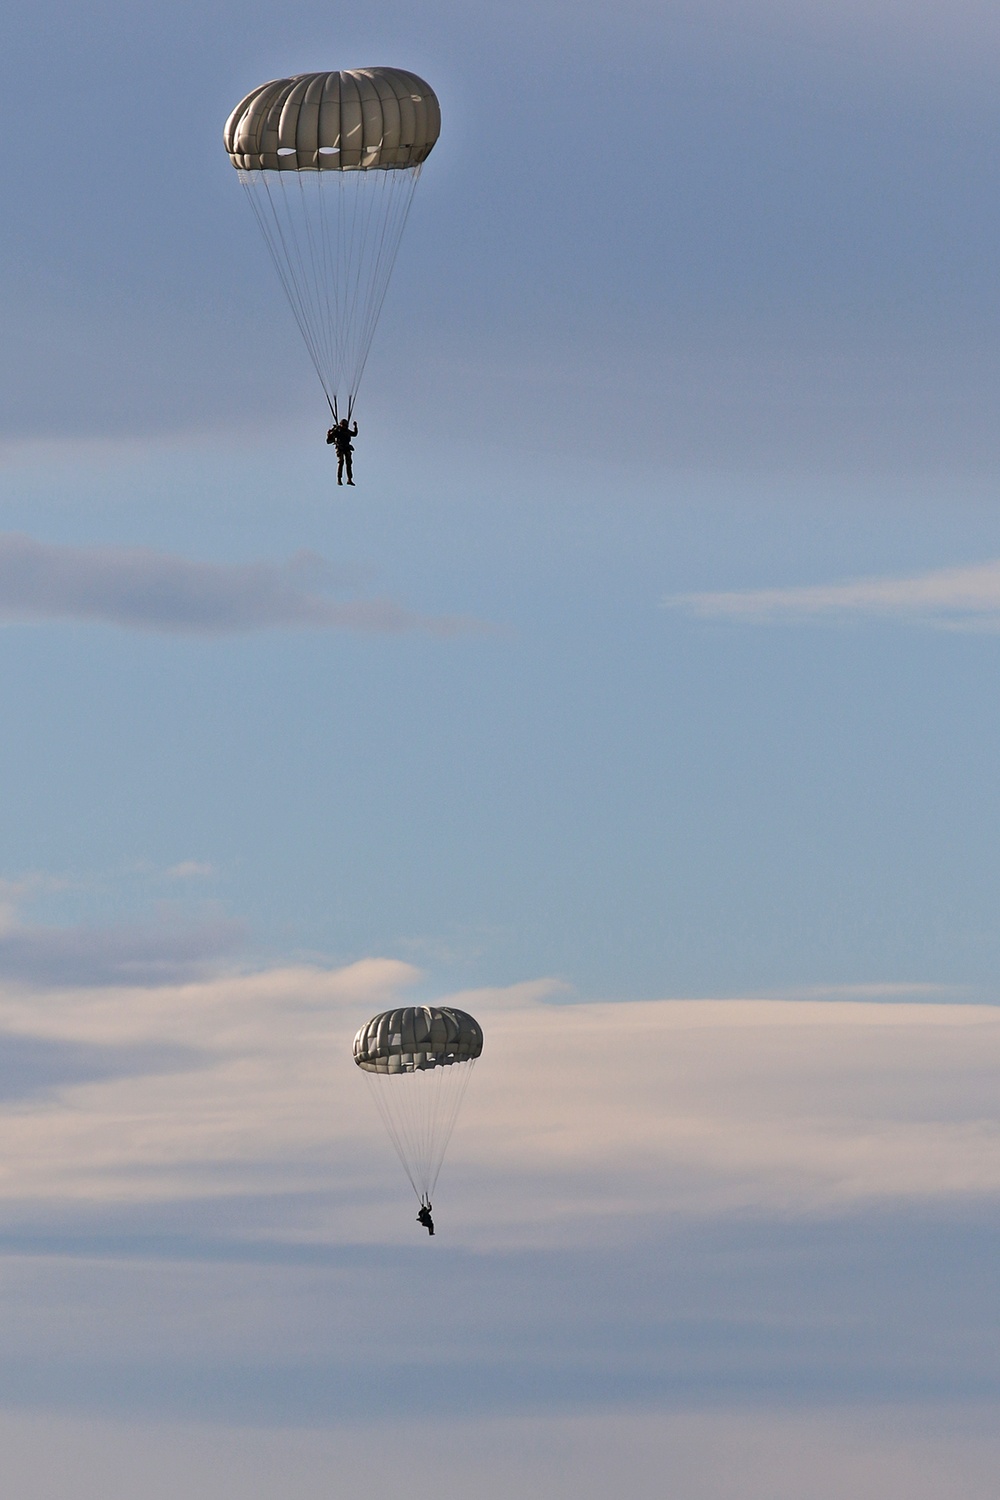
(581, 1118)
(709, 1455)
(663, 1202)
(949, 598)
(141, 589)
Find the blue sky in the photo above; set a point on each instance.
(641, 697)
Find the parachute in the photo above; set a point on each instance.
(330, 162)
(418, 1061)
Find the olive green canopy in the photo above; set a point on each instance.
(359, 119)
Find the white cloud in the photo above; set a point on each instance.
(950, 598)
(259, 1110)
(693, 1107)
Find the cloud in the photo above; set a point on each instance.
(280, 1100)
(30, 1066)
(676, 1108)
(520, 996)
(887, 993)
(140, 589)
(13, 894)
(711, 1454)
(191, 869)
(652, 1203)
(950, 598)
(582, 1119)
(166, 952)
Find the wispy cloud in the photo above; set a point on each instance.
(171, 951)
(964, 598)
(191, 869)
(14, 892)
(888, 993)
(141, 589)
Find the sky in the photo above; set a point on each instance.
(640, 700)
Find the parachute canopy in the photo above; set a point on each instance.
(362, 120)
(415, 1038)
(418, 1060)
(330, 162)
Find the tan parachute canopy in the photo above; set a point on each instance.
(330, 162)
(362, 119)
(418, 1060)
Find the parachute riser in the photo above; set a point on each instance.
(331, 402)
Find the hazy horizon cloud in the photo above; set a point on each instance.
(840, 1449)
